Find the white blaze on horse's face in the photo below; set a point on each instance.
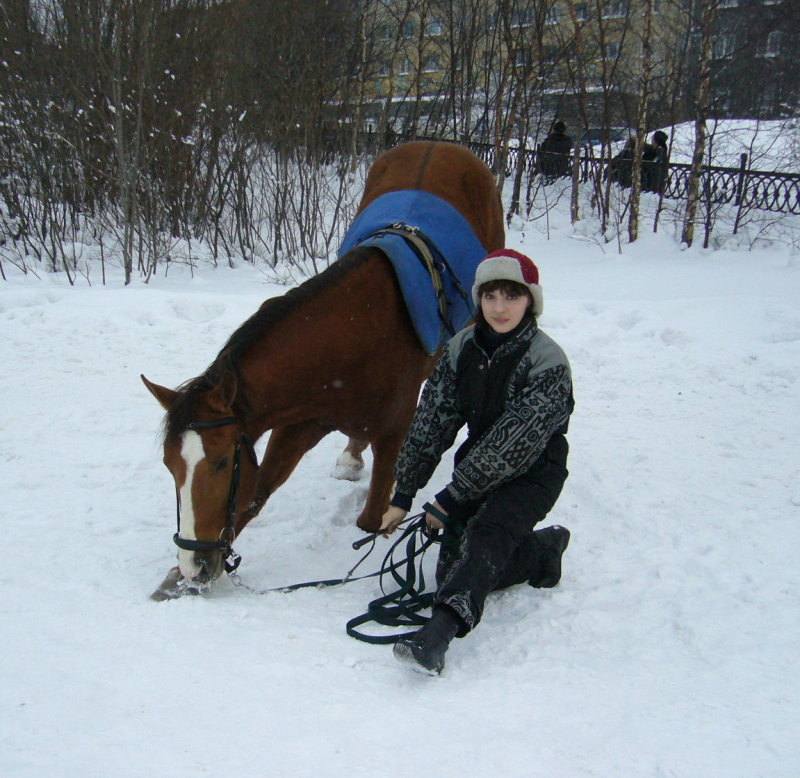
(192, 453)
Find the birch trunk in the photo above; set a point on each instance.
(641, 124)
(708, 11)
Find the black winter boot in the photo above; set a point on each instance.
(555, 541)
(425, 649)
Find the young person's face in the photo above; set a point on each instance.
(504, 310)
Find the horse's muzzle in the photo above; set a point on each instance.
(203, 566)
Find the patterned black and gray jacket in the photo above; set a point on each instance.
(514, 399)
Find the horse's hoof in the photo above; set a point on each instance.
(348, 468)
(368, 526)
(168, 590)
(175, 585)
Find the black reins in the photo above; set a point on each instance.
(399, 608)
(228, 534)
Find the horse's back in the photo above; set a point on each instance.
(448, 171)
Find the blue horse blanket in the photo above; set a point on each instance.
(456, 250)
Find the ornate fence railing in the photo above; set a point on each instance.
(764, 190)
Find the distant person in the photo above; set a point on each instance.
(621, 168)
(654, 163)
(554, 153)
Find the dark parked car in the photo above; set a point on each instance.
(594, 136)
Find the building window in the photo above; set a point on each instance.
(724, 46)
(434, 28)
(521, 57)
(615, 9)
(581, 12)
(611, 50)
(769, 96)
(728, 3)
(521, 17)
(406, 66)
(555, 15)
(384, 68)
(431, 64)
(408, 30)
(774, 44)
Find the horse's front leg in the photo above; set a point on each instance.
(384, 453)
(285, 449)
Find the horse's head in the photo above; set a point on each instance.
(214, 466)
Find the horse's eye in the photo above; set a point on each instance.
(221, 465)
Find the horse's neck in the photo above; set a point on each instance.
(273, 397)
(303, 354)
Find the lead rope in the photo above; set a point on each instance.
(236, 579)
(417, 523)
(400, 608)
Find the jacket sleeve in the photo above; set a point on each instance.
(433, 429)
(515, 441)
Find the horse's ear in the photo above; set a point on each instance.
(166, 397)
(224, 393)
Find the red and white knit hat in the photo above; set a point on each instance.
(509, 265)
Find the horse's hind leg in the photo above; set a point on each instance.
(350, 462)
(285, 449)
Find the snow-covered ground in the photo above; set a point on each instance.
(769, 144)
(669, 649)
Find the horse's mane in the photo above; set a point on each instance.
(229, 359)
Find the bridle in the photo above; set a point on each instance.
(228, 534)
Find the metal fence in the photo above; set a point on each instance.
(763, 190)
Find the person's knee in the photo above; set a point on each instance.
(500, 522)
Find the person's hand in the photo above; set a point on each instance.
(433, 522)
(391, 520)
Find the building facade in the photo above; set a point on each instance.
(438, 60)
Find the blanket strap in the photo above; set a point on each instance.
(422, 246)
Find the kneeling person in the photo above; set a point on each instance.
(511, 385)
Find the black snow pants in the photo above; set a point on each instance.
(498, 547)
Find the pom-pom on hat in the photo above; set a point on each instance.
(509, 265)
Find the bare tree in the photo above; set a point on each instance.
(707, 12)
(601, 33)
(641, 119)
(465, 43)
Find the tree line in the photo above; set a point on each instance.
(135, 124)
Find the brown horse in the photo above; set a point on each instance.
(338, 352)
